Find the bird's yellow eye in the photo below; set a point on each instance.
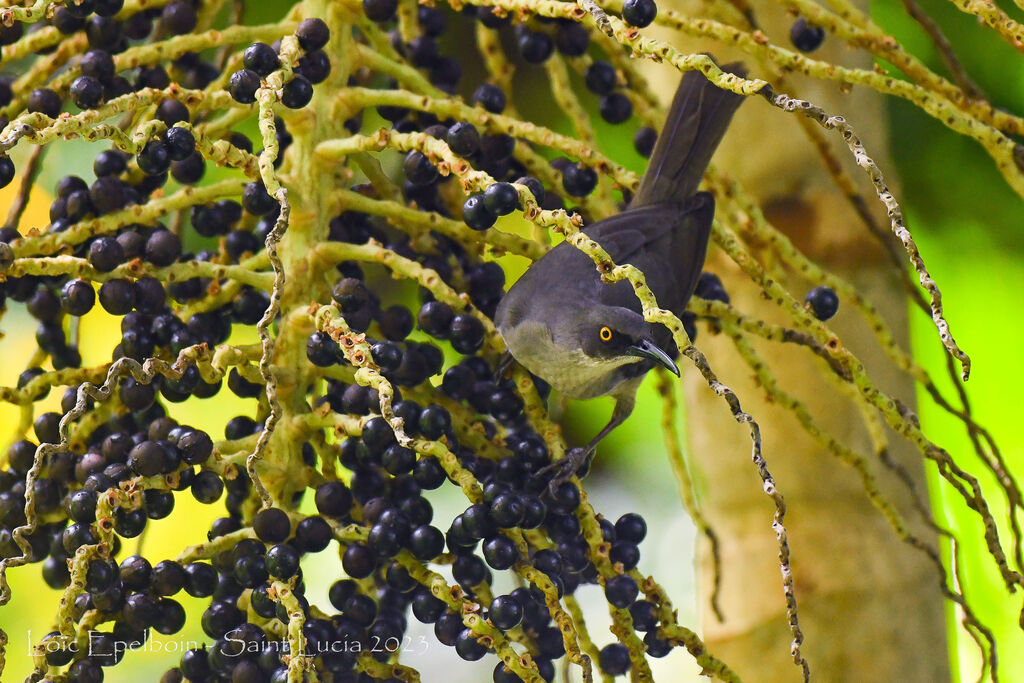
(606, 334)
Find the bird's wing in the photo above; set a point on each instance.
(667, 241)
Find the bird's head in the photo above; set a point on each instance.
(614, 333)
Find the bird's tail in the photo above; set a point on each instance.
(700, 113)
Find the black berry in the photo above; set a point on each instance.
(297, 92)
(243, 85)
(639, 13)
(614, 659)
(260, 58)
(823, 302)
(535, 47)
(476, 214)
(616, 108)
(86, 92)
(313, 34)
(464, 139)
(490, 97)
(380, 11)
(501, 198)
(806, 37)
(600, 78)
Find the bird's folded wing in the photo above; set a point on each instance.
(666, 241)
(635, 230)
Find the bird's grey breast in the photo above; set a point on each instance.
(561, 362)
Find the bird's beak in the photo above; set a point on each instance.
(645, 348)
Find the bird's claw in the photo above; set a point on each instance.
(564, 468)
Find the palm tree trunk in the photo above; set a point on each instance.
(870, 606)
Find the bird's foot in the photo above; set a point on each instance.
(576, 460)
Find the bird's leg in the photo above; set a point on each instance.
(576, 458)
(504, 365)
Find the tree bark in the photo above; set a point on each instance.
(869, 605)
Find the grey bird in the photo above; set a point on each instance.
(587, 338)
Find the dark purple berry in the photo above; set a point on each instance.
(435, 318)
(500, 552)
(418, 169)
(631, 527)
(639, 13)
(468, 647)
(621, 590)
(315, 66)
(616, 108)
(535, 47)
(207, 487)
(297, 92)
(105, 33)
(154, 159)
(534, 185)
(98, 64)
(572, 39)
(644, 140)
(505, 612)
(600, 78)
(463, 139)
(822, 302)
(434, 422)
(261, 58)
(7, 170)
(271, 525)
(358, 561)
(625, 553)
(313, 34)
(501, 198)
(579, 181)
(86, 92)
(806, 37)
(351, 295)
(644, 614)
(147, 459)
(178, 17)
(10, 35)
(181, 143)
(105, 254)
(256, 200)
(476, 214)
(467, 334)
(162, 248)
(426, 542)
(380, 11)
(171, 111)
(321, 350)
(282, 561)
(333, 499)
(189, 171)
(44, 101)
(490, 97)
(614, 659)
(111, 162)
(195, 446)
(243, 85)
(656, 647)
(106, 195)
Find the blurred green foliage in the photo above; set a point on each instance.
(967, 222)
